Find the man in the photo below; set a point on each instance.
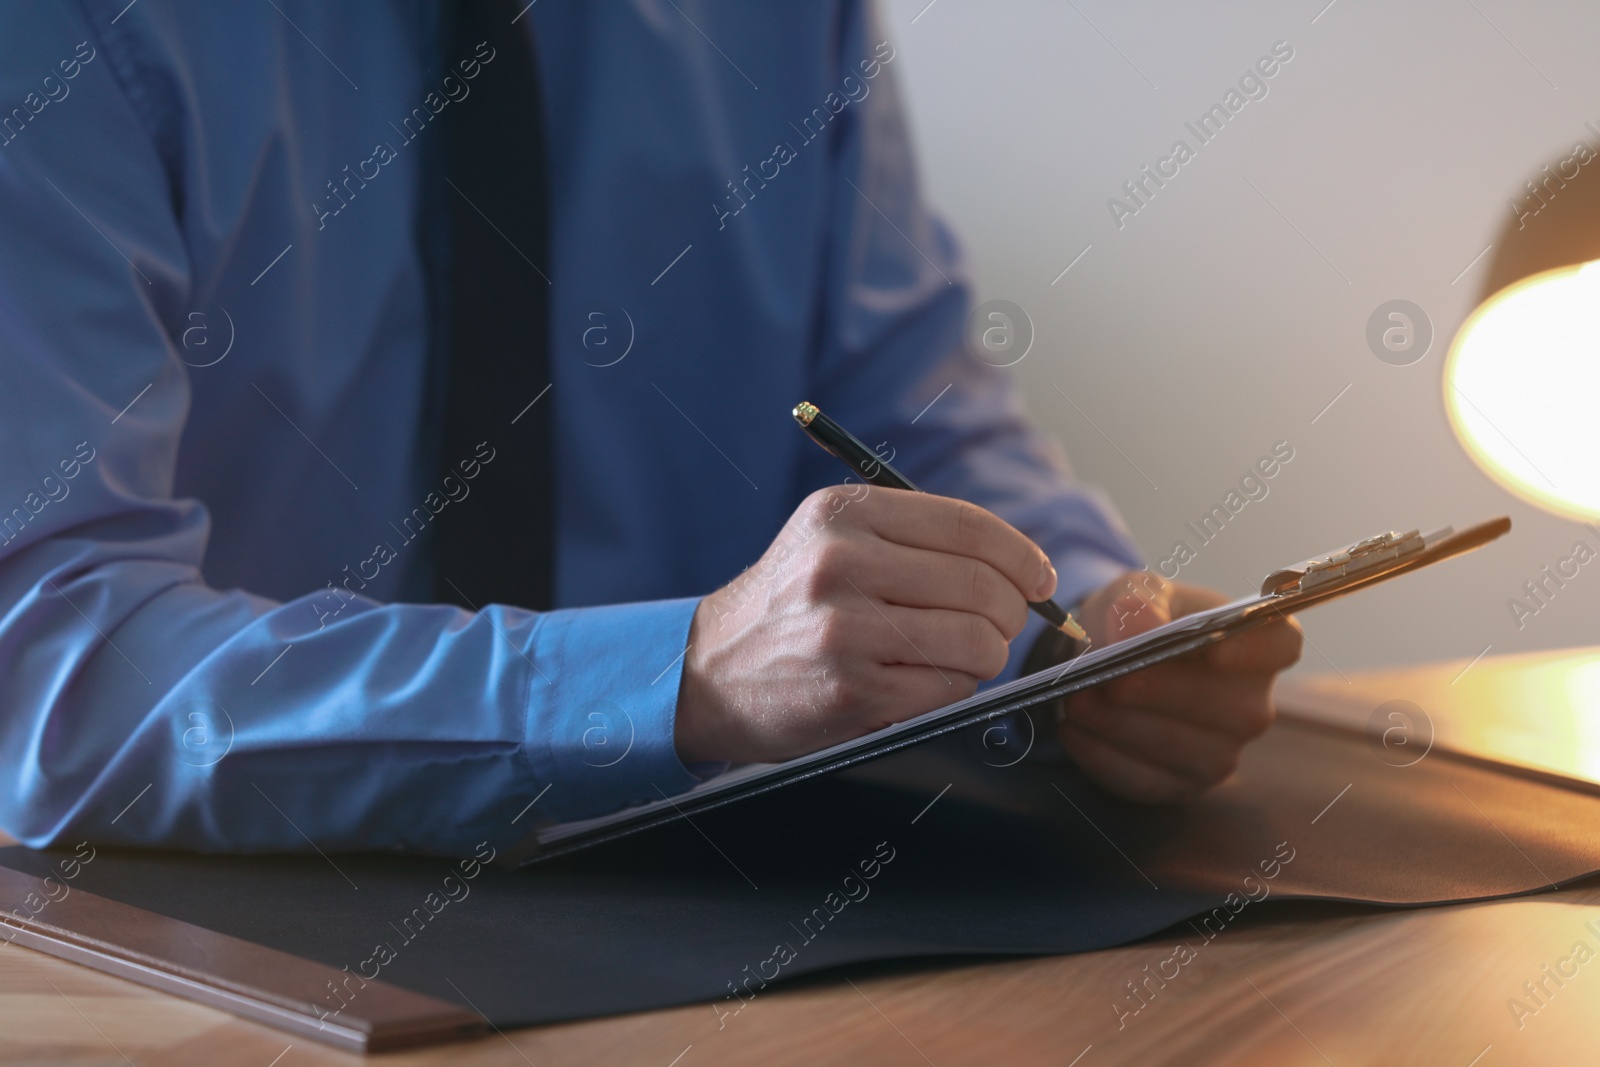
(389, 385)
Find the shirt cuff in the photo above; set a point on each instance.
(601, 718)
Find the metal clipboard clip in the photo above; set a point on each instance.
(1363, 557)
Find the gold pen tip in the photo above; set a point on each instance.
(804, 412)
(1071, 628)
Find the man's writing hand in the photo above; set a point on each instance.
(873, 605)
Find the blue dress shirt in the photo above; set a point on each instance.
(218, 286)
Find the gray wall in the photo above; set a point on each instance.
(1232, 308)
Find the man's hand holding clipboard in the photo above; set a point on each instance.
(1173, 730)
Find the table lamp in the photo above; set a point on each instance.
(1522, 378)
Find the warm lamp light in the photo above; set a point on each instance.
(1522, 382)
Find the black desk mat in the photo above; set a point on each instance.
(1024, 859)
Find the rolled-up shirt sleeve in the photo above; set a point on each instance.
(140, 706)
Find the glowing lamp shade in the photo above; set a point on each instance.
(1522, 387)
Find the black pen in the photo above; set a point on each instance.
(858, 457)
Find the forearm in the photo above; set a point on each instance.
(144, 708)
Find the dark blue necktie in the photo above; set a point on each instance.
(496, 544)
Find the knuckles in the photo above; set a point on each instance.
(833, 557)
(837, 641)
(823, 553)
(827, 508)
(964, 527)
(989, 648)
(996, 599)
(837, 690)
(992, 597)
(1016, 618)
(828, 561)
(816, 509)
(975, 581)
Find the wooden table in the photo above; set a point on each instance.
(1299, 984)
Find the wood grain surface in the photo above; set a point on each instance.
(1480, 985)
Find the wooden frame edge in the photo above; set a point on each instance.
(237, 976)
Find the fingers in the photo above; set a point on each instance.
(1129, 778)
(1140, 601)
(926, 637)
(1143, 606)
(863, 698)
(1198, 755)
(939, 524)
(1187, 691)
(1170, 731)
(1128, 606)
(1272, 646)
(1188, 599)
(909, 690)
(871, 697)
(919, 578)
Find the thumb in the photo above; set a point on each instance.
(1136, 602)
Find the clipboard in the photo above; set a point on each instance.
(1283, 592)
